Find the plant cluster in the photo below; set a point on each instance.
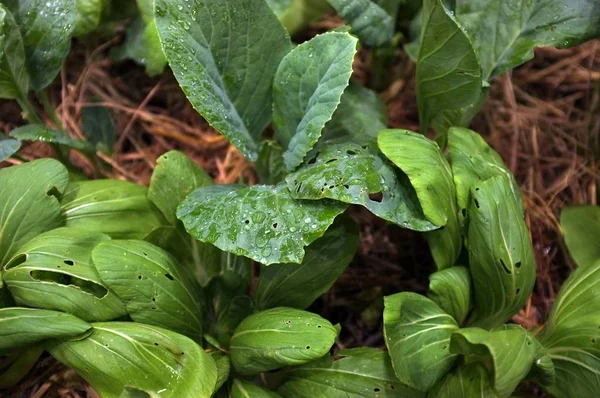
(149, 290)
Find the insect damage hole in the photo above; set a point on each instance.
(376, 197)
(308, 347)
(169, 277)
(69, 262)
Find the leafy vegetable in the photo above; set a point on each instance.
(581, 228)
(98, 127)
(39, 132)
(471, 380)
(243, 389)
(14, 79)
(8, 148)
(89, 14)
(371, 23)
(450, 288)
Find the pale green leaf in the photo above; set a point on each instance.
(302, 13)
(89, 14)
(8, 148)
(39, 132)
(14, 79)
(224, 56)
(244, 389)
(450, 288)
(371, 23)
(279, 6)
(581, 230)
(466, 381)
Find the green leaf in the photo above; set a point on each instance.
(89, 14)
(46, 28)
(8, 148)
(473, 161)
(430, 175)
(448, 71)
(243, 389)
(466, 381)
(451, 290)
(14, 79)
(353, 173)
(508, 353)
(117, 208)
(20, 365)
(279, 6)
(39, 132)
(30, 206)
(54, 271)
(417, 333)
(142, 45)
(155, 291)
(98, 126)
(224, 56)
(23, 327)
(126, 354)
(298, 285)
(261, 222)
(360, 372)
(581, 229)
(306, 92)
(279, 337)
(371, 23)
(223, 367)
(269, 165)
(500, 253)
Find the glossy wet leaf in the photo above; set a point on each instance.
(14, 79)
(88, 16)
(354, 174)
(450, 288)
(360, 372)
(448, 71)
(469, 380)
(417, 333)
(148, 358)
(261, 222)
(307, 89)
(46, 27)
(224, 56)
(29, 205)
(39, 132)
(269, 165)
(299, 285)
(99, 128)
(581, 230)
(244, 389)
(24, 327)
(117, 208)
(500, 253)
(54, 271)
(429, 172)
(371, 23)
(142, 45)
(473, 160)
(8, 148)
(279, 337)
(149, 281)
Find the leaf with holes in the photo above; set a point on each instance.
(581, 229)
(279, 337)
(261, 222)
(8, 148)
(450, 288)
(224, 56)
(308, 86)
(14, 79)
(39, 132)
(54, 271)
(371, 23)
(143, 357)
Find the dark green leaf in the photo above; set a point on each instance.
(46, 28)
(20, 365)
(147, 358)
(417, 333)
(500, 253)
(8, 148)
(98, 126)
(279, 337)
(270, 166)
(261, 222)
(451, 290)
(371, 23)
(14, 79)
(54, 271)
(150, 283)
(243, 389)
(307, 89)
(581, 229)
(23, 327)
(298, 285)
(466, 381)
(143, 46)
(223, 367)
(117, 208)
(89, 14)
(279, 6)
(39, 132)
(224, 55)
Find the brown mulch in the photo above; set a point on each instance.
(543, 118)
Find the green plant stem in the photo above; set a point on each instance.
(49, 109)
(28, 109)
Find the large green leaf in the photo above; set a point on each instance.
(126, 354)
(298, 285)
(473, 161)
(581, 229)
(508, 353)
(46, 28)
(279, 337)
(243, 389)
(500, 253)
(430, 175)
(54, 271)
(23, 327)
(29, 204)
(224, 56)
(155, 291)
(466, 381)
(89, 14)
(353, 173)
(371, 23)
(307, 89)
(450, 288)
(448, 71)
(261, 222)
(117, 208)
(360, 372)
(417, 333)
(14, 79)
(8, 148)
(39, 132)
